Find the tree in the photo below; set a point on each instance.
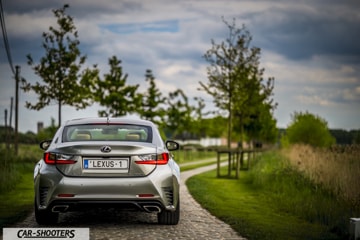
(342, 136)
(48, 132)
(355, 136)
(178, 114)
(114, 94)
(63, 81)
(198, 125)
(235, 79)
(261, 126)
(212, 126)
(253, 104)
(309, 129)
(152, 101)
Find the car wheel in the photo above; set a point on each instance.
(169, 217)
(45, 217)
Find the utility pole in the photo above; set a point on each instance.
(6, 132)
(10, 135)
(11, 110)
(16, 137)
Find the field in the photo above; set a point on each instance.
(285, 194)
(336, 169)
(295, 193)
(16, 182)
(12, 167)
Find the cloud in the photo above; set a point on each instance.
(308, 46)
(329, 97)
(352, 95)
(357, 90)
(158, 26)
(300, 31)
(314, 100)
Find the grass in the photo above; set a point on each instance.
(12, 167)
(273, 201)
(336, 169)
(186, 156)
(16, 204)
(16, 178)
(294, 192)
(194, 159)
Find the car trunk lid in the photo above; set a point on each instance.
(106, 160)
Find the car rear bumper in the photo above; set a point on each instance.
(153, 193)
(83, 205)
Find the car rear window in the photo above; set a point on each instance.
(105, 132)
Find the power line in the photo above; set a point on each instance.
(6, 41)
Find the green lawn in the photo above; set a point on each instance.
(17, 203)
(16, 178)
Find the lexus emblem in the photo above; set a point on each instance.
(106, 149)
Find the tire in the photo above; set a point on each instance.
(45, 217)
(169, 217)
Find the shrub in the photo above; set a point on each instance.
(309, 129)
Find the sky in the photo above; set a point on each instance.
(310, 47)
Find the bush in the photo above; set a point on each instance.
(309, 129)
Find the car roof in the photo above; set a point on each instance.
(117, 120)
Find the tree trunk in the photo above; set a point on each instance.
(241, 131)
(229, 124)
(230, 110)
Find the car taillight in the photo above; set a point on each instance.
(153, 159)
(57, 158)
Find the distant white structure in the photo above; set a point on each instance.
(205, 142)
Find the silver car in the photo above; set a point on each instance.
(107, 162)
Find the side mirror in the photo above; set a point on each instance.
(44, 145)
(172, 145)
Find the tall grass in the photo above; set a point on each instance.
(8, 173)
(294, 192)
(336, 169)
(16, 178)
(272, 200)
(12, 167)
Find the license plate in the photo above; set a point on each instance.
(115, 164)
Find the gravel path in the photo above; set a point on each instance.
(195, 222)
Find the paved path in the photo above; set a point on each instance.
(195, 222)
(209, 160)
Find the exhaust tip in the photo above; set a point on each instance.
(60, 208)
(152, 209)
